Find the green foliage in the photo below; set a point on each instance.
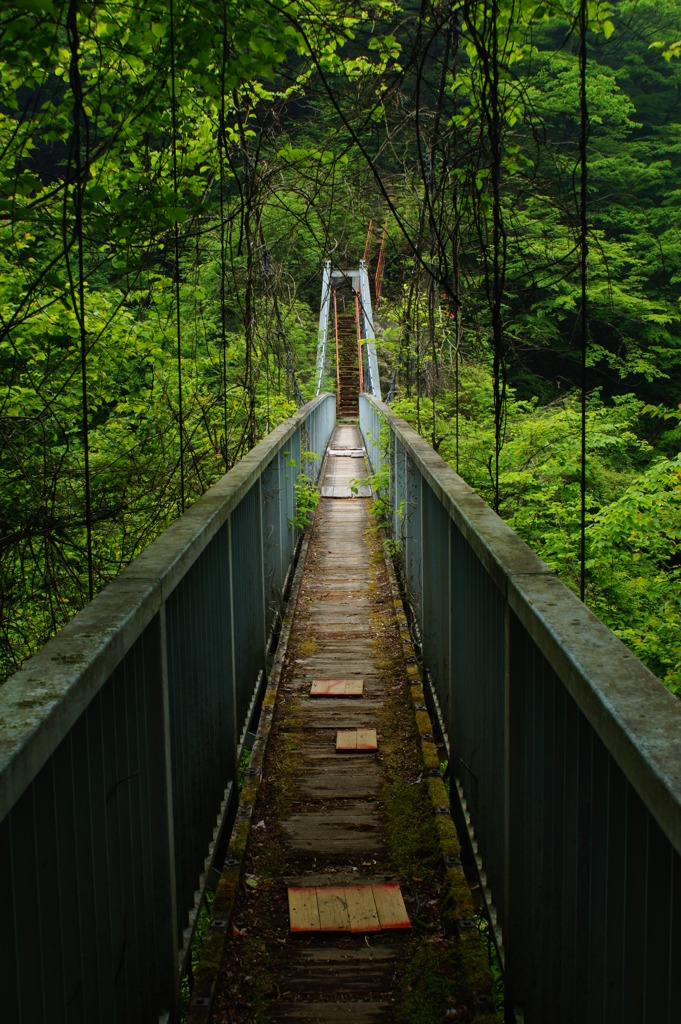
(379, 482)
(306, 492)
(200, 932)
(496, 213)
(633, 502)
(239, 223)
(485, 930)
(635, 562)
(282, 120)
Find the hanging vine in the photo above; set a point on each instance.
(176, 250)
(222, 147)
(584, 252)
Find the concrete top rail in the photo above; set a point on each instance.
(632, 712)
(41, 702)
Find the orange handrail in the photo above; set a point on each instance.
(378, 280)
(367, 247)
(335, 320)
(359, 345)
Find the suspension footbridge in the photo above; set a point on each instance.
(382, 704)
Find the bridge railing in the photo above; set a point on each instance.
(371, 377)
(565, 748)
(120, 742)
(323, 334)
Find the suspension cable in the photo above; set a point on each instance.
(498, 253)
(457, 223)
(79, 302)
(222, 143)
(433, 352)
(418, 358)
(177, 249)
(584, 133)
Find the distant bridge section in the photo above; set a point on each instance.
(366, 358)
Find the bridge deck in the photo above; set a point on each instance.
(324, 818)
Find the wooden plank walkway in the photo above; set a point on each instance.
(338, 910)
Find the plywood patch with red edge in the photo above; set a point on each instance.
(351, 908)
(337, 688)
(303, 910)
(392, 912)
(360, 740)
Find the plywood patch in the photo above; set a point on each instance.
(303, 910)
(348, 740)
(362, 909)
(366, 739)
(337, 688)
(352, 908)
(333, 909)
(392, 912)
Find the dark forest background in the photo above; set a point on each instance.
(172, 178)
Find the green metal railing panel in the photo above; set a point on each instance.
(566, 748)
(120, 743)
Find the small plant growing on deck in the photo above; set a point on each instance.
(307, 493)
(380, 484)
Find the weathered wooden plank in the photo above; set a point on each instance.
(344, 469)
(324, 785)
(351, 648)
(303, 910)
(342, 585)
(347, 831)
(324, 754)
(345, 491)
(339, 609)
(341, 714)
(361, 979)
(357, 1012)
(350, 642)
(392, 912)
(342, 710)
(345, 877)
(322, 748)
(345, 981)
(342, 955)
(328, 663)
